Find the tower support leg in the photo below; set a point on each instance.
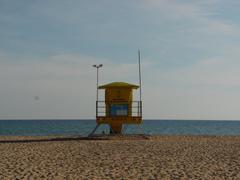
(94, 130)
(116, 129)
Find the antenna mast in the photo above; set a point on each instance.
(139, 71)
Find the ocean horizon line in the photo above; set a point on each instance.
(88, 119)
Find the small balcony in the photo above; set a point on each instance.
(124, 112)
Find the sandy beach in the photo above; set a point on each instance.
(159, 157)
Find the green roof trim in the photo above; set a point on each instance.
(118, 85)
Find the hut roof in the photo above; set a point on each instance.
(118, 85)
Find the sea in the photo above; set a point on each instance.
(150, 127)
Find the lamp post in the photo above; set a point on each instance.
(97, 66)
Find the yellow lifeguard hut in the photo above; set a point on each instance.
(118, 108)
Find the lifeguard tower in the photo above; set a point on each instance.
(118, 109)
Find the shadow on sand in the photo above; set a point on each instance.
(78, 138)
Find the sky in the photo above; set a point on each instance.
(190, 53)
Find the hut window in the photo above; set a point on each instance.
(119, 110)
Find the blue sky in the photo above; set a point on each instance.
(190, 56)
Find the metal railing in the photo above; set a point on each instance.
(135, 111)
